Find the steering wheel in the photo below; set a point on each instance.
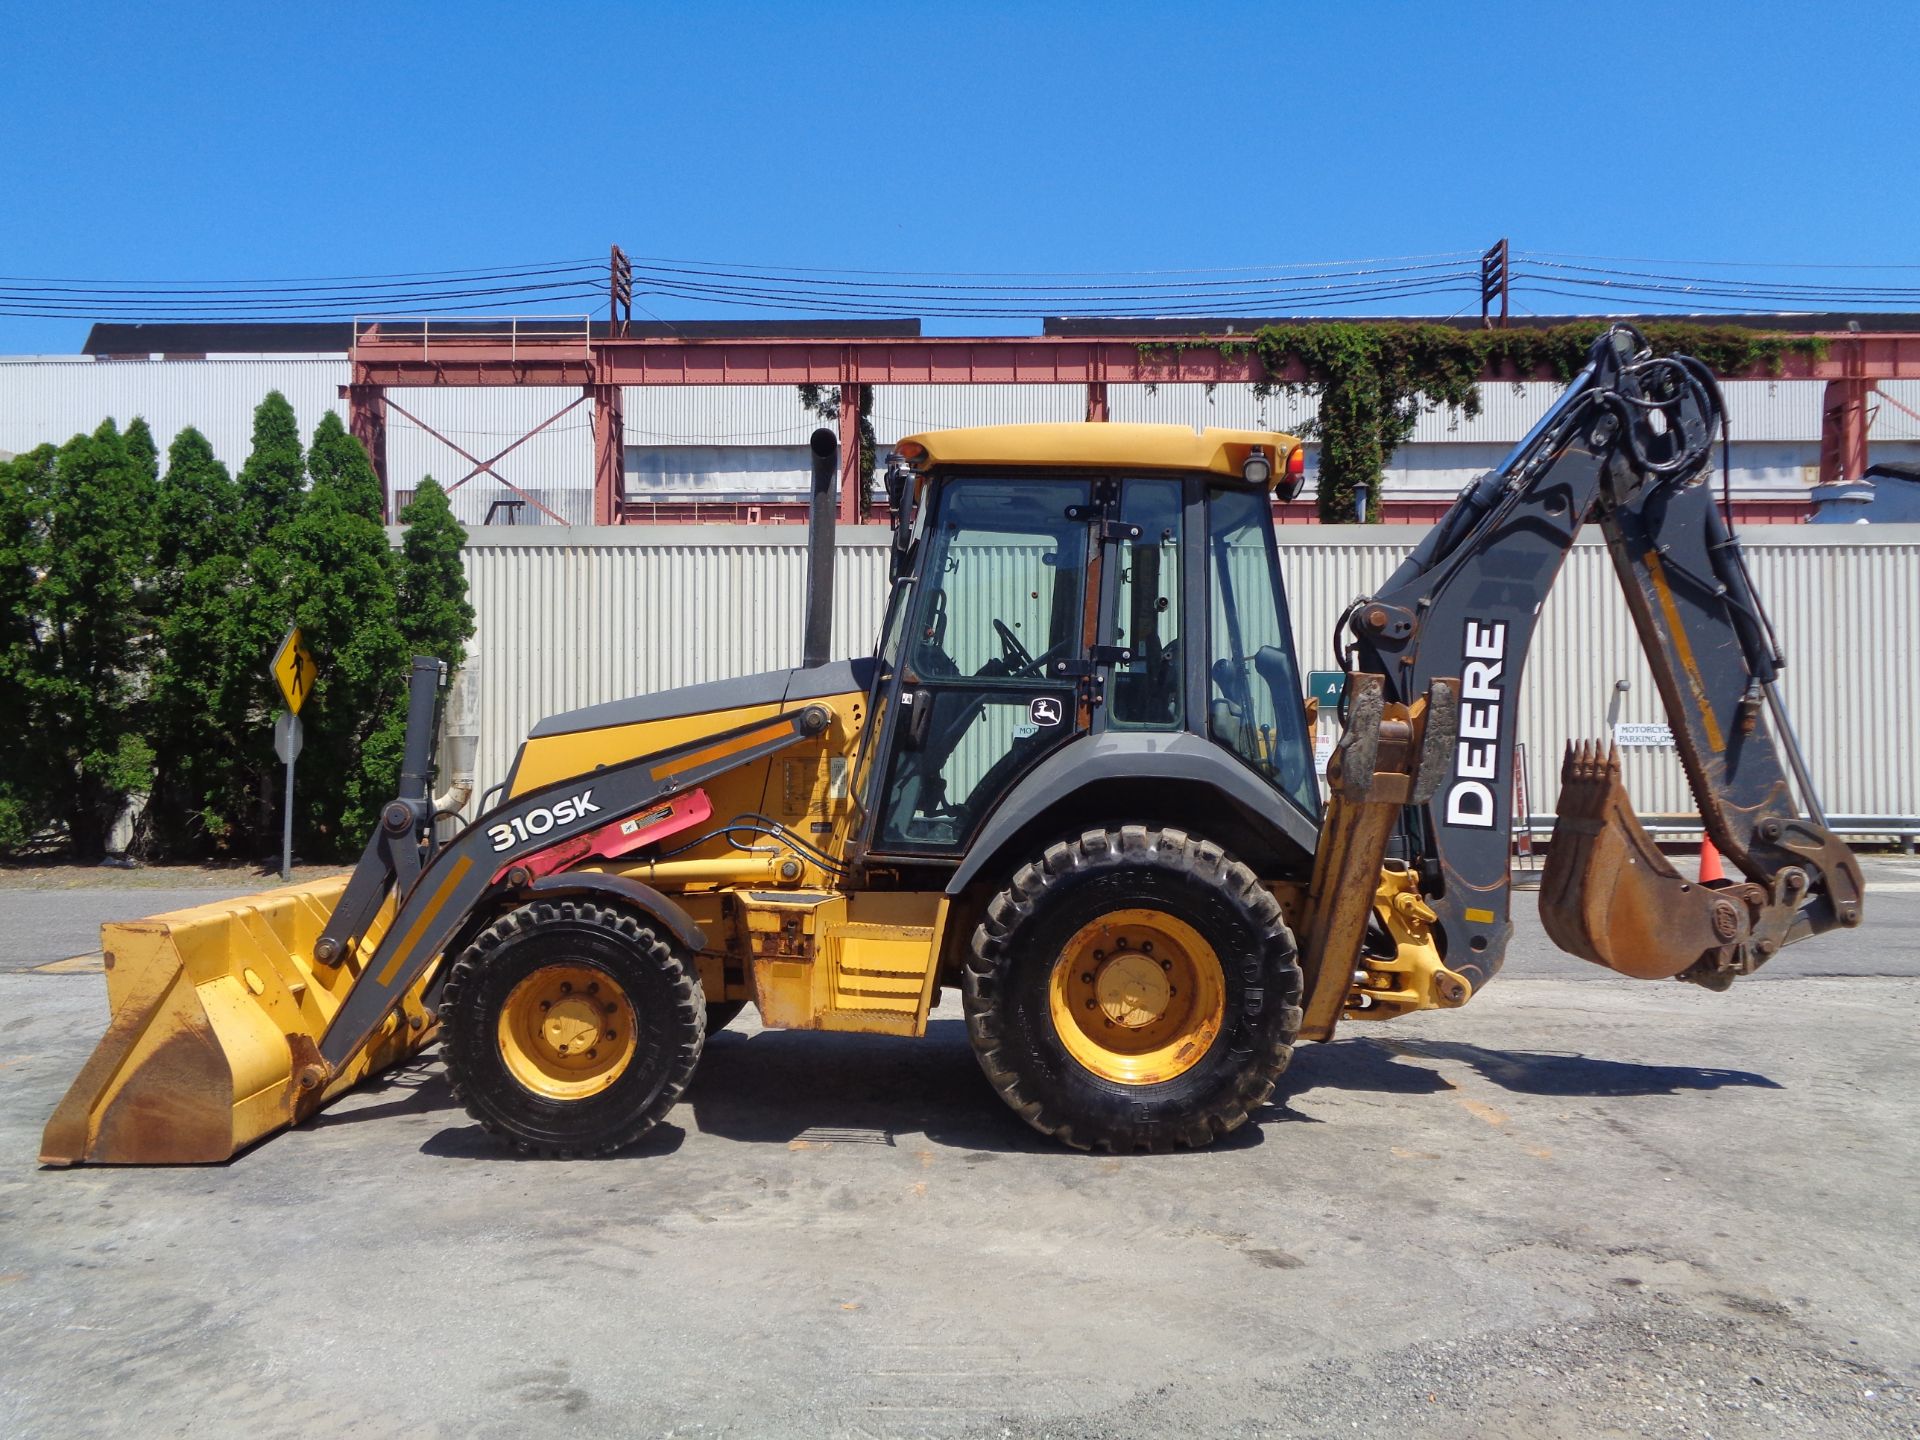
(1019, 658)
(1020, 662)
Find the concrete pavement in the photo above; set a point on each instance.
(1579, 1206)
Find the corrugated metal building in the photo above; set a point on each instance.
(574, 617)
(749, 442)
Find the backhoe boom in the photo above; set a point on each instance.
(1627, 446)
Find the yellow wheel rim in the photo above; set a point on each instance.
(567, 1032)
(1137, 997)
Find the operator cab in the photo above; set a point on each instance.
(1058, 581)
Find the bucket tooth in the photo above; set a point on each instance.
(1608, 895)
(215, 1016)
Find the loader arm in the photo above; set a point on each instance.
(1626, 446)
(491, 854)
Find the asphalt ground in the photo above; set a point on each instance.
(1580, 1206)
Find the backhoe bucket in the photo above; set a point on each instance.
(216, 1013)
(1608, 895)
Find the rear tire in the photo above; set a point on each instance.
(1133, 989)
(571, 1028)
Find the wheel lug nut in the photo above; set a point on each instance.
(1090, 1005)
(593, 1054)
(1166, 965)
(594, 988)
(610, 1008)
(610, 1035)
(546, 1004)
(1086, 977)
(566, 987)
(1146, 947)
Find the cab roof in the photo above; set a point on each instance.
(1099, 445)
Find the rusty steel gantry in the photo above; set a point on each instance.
(596, 362)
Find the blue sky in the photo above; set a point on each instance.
(220, 142)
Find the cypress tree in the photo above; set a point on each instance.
(25, 793)
(434, 614)
(141, 450)
(269, 491)
(83, 680)
(271, 480)
(199, 562)
(341, 583)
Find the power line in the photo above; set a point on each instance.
(345, 304)
(481, 273)
(1456, 255)
(343, 315)
(1714, 264)
(1195, 286)
(1183, 293)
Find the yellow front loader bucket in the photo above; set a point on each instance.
(215, 1016)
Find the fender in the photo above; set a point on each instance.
(1133, 756)
(633, 894)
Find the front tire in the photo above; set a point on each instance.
(571, 1028)
(1133, 989)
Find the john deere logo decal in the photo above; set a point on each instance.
(1044, 710)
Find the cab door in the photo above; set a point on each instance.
(996, 634)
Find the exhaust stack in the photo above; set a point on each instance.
(820, 548)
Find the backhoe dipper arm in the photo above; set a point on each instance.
(1626, 446)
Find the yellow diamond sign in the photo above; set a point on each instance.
(294, 670)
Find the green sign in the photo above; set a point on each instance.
(1325, 686)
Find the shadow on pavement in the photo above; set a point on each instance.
(417, 1087)
(1376, 1065)
(785, 1086)
(472, 1142)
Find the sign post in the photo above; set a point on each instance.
(293, 672)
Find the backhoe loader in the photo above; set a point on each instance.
(1074, 780)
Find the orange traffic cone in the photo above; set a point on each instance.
(1710, 868)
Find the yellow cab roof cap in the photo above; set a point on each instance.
(1099, 445)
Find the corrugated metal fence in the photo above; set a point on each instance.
(573, 617)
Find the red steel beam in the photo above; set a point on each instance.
(989, 360)
(367, 422)
(995, 360)
(853, 484)
(485, 467)
(609, 453)
(1851, 362)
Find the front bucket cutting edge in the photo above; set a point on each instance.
(215, 1016)
(1607, 893)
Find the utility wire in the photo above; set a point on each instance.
(18, 310)
(1194, 286)
(1713, 264)
(482, 273)
(1255, 290)
(664, 260)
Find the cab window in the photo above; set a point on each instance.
(1001, 597)
(1255, 706)
(1145, 691)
